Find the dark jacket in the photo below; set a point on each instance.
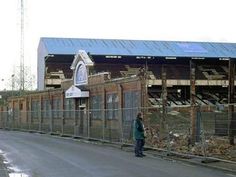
(138, 129)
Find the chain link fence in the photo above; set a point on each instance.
(170, 132)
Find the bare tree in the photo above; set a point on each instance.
(15, 80)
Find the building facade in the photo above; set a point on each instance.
(95, 88)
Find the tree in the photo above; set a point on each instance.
(15, 82)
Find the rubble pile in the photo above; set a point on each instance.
(214, 146)
(220, 147)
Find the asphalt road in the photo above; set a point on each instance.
(48, 156)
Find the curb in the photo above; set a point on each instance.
(206, 165)
(198, 161)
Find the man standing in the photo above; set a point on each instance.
(139, 135)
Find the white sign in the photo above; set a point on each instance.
(75, 92)
(80, 66)
(81, 55)
(84, 56)
(81, 74)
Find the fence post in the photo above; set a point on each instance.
(40, 121)
(192, 102)
(203, 137)
(51, 119)
(103, 125)
(231, 91)
(164, 97)
(198, 125)
(168, 139)
(18, 123)
(120, 110)
(62, 122)
(76, 113)
(104, 114)
(62, 112)
(88, 123)
(121, 127)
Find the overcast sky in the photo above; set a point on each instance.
(178, 20)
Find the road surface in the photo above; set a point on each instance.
(47, 156)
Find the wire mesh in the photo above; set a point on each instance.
(170, 132)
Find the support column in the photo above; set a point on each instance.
(193, 101)
(231, 91)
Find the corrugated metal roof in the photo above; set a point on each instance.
(139, 47)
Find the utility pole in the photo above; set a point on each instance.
(22, 65)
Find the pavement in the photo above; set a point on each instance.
(3, 168)
(215, 164)
(224, 166)
(228, 167)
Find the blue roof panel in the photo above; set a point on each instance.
(139, 47)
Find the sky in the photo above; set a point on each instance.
(172, 20)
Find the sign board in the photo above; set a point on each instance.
(80, 74)
(80, 66)
(75, 92)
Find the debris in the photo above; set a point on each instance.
(216, 146)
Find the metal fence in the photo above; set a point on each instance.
(170, 132)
